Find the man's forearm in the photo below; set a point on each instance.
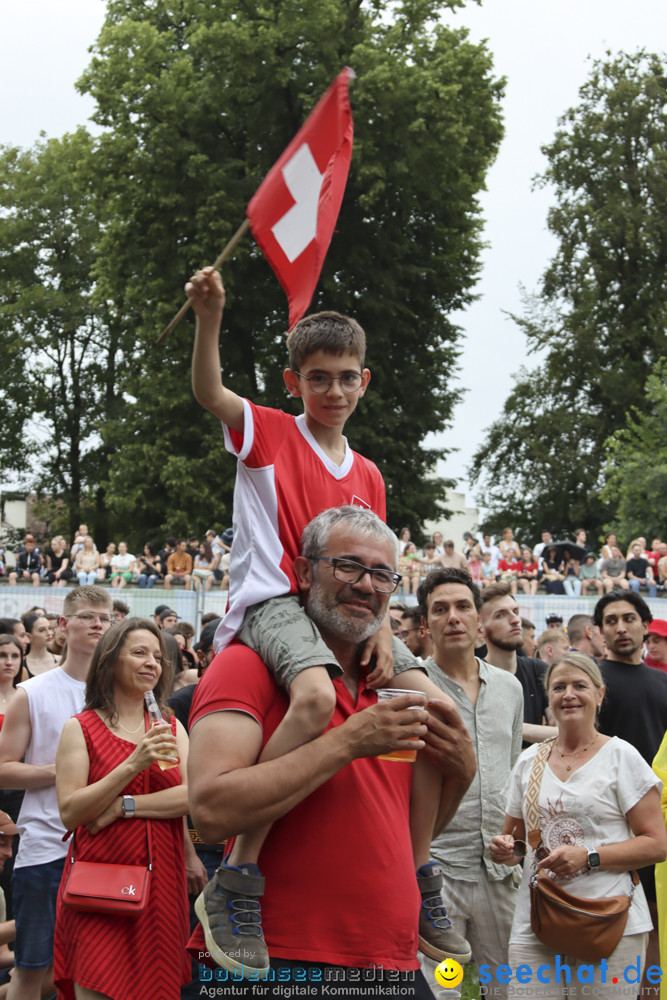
(249, 798)
(16, 774)
(532, 733)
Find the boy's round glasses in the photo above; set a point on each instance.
(349, 382)
(349, 571)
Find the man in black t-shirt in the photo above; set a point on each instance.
(638, 571)
(503, 632)
(635, 703)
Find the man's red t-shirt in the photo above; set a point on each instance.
(340, 880)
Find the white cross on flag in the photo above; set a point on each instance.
(293, 213)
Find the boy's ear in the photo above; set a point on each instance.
(365, 379)
(291, 380)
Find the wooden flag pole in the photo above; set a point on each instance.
(236, 238)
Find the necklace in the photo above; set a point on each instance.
(119, 723)
(577, 753)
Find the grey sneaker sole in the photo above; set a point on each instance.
(222, 958)
(439, 956)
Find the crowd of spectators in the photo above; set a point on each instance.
(189, 562)
(568, 567)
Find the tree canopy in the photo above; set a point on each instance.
(195, 102)
(636, 483)
(599, 319)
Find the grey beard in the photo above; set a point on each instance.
(330, 620)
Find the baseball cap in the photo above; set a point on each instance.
(658, 627)
(8, 827)
(206, 636)
(160, 608)
(165, 614)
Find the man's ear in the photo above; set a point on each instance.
(303, 570)
(425, 630)
(291, 380)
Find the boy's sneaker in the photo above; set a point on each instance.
(231, 918)
(437, 937)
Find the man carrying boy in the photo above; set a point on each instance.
(341, 898)
(289, 470)
(28, 744)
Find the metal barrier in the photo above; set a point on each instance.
(189, 605)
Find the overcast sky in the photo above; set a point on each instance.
(543, 49)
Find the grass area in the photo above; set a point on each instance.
(470, 984)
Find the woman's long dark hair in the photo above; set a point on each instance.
(102, 674)
(6, 640)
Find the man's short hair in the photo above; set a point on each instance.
(576, 627)
(551, 636)
(121, 607)
(630, 597)
(449, 544)
(326, 331)
(398, 606)
(526, 623)
(86, 595)
(357, 521)
(414, 615)
(439, 577)
(501, 588)
(170, 541)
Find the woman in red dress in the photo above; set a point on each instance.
(104, 756)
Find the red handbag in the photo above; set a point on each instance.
(100, 887)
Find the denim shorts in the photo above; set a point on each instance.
(35, 891)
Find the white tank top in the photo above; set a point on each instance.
(53, 698)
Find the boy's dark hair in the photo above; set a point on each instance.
(630, 597)
(414, 615)
(325, 331)
(449, 574)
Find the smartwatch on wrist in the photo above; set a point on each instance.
(128, 807)
(593, 859)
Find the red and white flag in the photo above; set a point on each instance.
(294, 211)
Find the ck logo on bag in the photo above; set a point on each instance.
(128, 890)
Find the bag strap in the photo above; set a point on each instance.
(149, 839)
(534, 835)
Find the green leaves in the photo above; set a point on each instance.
(196, 102)
(601, 314)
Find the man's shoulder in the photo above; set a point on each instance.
(49, 679)
(497, 678)
(236, 678)
(634, 674)
(531, 666)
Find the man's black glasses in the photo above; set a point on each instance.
(349, 571)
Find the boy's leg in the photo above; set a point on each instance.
(436, 935)
(289, 644)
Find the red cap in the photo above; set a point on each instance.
(658, 627)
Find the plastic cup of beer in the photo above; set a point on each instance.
(385, 694)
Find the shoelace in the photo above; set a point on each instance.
(432, 905)
(246, 916)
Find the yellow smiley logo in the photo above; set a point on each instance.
(449, 973)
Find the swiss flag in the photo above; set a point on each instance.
(293, 213)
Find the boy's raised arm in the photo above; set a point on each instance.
(208, 300)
